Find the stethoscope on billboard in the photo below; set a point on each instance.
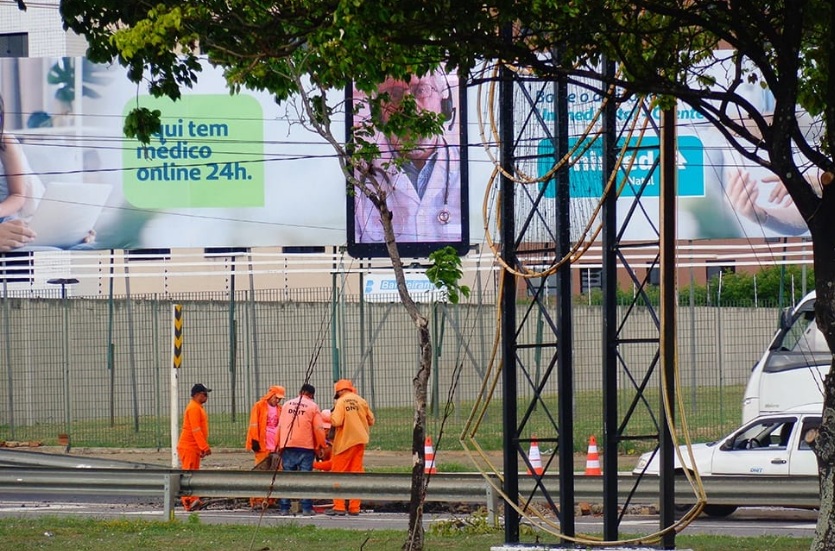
(444, 214)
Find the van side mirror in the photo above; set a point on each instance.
(785, 318)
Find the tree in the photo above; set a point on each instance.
(295, 52)
(666, 48)
(673, 49)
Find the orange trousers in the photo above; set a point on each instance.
(349, 461)
(190, 459)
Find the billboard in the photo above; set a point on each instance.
(224, 171)
(720, 194)
(242, 171)
(428, 193)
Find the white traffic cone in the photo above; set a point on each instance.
(429, 457)
(593, 459)
(535, 457)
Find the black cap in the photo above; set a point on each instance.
(198, 388)
(307, 388)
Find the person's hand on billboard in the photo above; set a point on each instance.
(15, 234)
(743, 194)
(779, 195)
(779, 213)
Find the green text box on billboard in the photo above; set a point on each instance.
(209, 153)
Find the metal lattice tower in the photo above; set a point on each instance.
(558, 185)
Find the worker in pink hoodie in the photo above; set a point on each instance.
(262, 434)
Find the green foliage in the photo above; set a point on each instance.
(263, 49)
(141, 123)
(446, 272)
(743, 289)
(62, 73)
(664, 48)
(775, 285)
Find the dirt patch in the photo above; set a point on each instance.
(375, 460)
(242, 459)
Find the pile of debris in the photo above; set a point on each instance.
(15, 444)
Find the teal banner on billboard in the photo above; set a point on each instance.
(641, 156)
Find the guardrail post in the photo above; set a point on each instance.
(492, 506)
(172, 489)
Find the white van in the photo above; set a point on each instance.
(790, 374)
(771, 445)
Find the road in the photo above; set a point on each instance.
(745, 522)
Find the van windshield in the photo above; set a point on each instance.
(802, 335)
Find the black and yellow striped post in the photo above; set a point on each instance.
(176, 365)
(178, 337)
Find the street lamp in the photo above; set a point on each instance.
(63, 282)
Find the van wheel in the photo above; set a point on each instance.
(719, 511)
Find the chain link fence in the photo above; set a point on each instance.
(98, 372)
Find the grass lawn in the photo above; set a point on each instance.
(63, 533)
(713, 414)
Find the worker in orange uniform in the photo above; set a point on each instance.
(262, 435)
(323, 457)
(352, 419)
(300, 437)
(194, 439)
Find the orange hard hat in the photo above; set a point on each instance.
(343, 384)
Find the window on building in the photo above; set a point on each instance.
(713, 271)
(654, 276)
(17, 267)
(590, 278)
(302, 250)
(139, 255)
(14, 44)
(224, 251)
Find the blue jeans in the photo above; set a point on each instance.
(297, 459)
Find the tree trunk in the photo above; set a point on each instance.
(823, 238)
(419, 480)
(420, 383)
(825, 450)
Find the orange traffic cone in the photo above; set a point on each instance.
(535, 457)
(429, 457)
(593, 459)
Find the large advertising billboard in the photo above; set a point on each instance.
(243, 171)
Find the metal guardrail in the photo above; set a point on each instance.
(443, 487)
(21, 458)
(38, 473)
